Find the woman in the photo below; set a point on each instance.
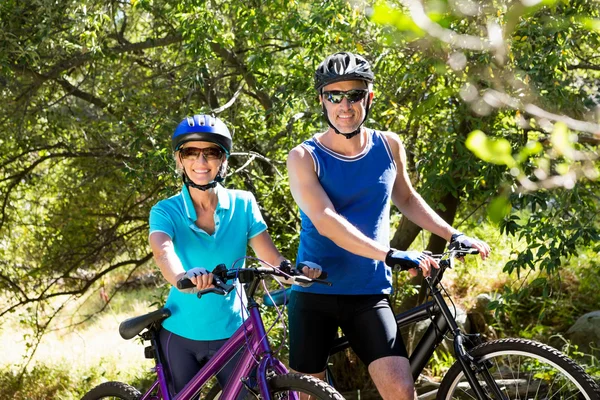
(190, 234)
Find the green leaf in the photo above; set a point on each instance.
(591, 24)
(383, 14)
(562, 168)
(493, 150)
(561, 140)
(499, 208)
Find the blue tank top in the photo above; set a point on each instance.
(360, 188)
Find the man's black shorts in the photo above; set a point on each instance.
(367, 321)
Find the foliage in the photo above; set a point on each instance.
(539, 305)
(43, 382)
(93, 89)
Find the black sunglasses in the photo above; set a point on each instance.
(193, 153)
(354, 95)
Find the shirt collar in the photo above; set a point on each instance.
(222, 201)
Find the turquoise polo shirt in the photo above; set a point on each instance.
(237, 219)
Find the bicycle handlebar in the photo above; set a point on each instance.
(459, 248)
(455, 250)
(221, 275)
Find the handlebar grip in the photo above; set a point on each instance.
(220, 286)
(319, 280)
(185, 283)
(323, 275)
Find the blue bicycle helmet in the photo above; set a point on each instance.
(203, 128)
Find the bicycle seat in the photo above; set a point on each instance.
(133, 326)
(280, 297)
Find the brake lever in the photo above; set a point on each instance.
(221, 288)
(216, 290)
(226, 287)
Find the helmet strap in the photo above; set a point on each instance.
(189, 183)
(219, 178)
(353, 133)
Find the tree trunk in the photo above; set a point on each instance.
(408, 231)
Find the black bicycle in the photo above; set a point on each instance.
(499, 369)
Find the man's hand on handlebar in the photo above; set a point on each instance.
(468, 242)
(410, 261)
(310, 269)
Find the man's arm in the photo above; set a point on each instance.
(408, 201)
(412, 205)
(265, 249)
(314, 202)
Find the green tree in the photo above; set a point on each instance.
(92, 91)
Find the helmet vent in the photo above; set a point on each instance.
(190, 121)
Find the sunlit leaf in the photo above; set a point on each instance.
(493, 150)
(562, 168)
(385, 15)
(591, 24)
(499, 208)
(561, 141)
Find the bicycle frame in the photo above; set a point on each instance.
(442, 321)
(251, 338)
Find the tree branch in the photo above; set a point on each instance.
(263, 97)
(584, 66)
(79, 291)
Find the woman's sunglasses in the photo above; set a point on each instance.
(193, 153)
(354, 95)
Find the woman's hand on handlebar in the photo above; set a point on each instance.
(199, 277)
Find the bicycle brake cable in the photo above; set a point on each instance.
(279, 313)
(244, 308)
(443, 289)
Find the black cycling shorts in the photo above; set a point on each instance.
(367, 321)
(184, 357)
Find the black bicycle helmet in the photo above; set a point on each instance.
(340, 67)
(343, 66)
(204, 128)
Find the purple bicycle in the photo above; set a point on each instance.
(272, 379)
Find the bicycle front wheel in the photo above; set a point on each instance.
(289, 386)
(113, 390)
(522, 369)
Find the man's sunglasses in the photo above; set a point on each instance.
(354, 95)
(193, 153)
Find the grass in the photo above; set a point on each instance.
(75, 356)
(72, 357)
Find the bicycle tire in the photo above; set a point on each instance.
(523, 369)
(113, 390)
(282, 385)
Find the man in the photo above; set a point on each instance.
(343, 181)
